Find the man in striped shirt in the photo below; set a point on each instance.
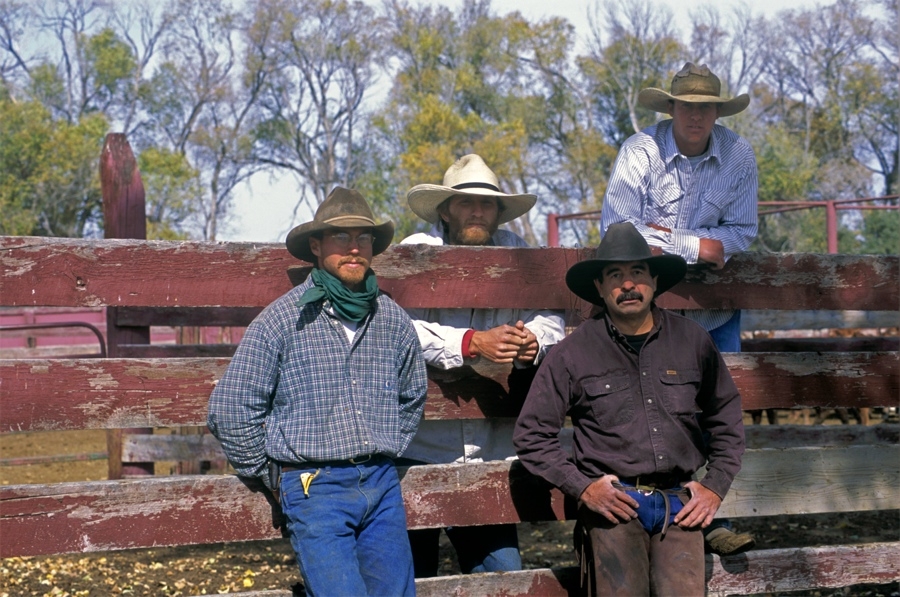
(689, 186)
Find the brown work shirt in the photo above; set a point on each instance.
(633, 414)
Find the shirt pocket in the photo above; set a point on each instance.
(610, 399)
(679, 390)
(664, 200)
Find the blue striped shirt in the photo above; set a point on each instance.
(652, 182)
(297, 390)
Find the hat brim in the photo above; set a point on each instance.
(670, 270)
(298, 239)
(424, 199)
(658, 101)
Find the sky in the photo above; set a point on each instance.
(263, 209)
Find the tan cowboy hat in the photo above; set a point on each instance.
(343, 208)
(622, 243)
(696, 84)
(469, 175)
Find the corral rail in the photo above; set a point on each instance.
(141, 277)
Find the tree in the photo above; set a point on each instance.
(499, 86)
(321, 59)
(48, 172)
(201, 102)
(642, 52)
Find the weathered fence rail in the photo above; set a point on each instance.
(227, 284)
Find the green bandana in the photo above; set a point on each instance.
(347, 304)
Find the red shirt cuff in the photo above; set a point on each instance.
(467, 339)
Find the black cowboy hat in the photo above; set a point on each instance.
(343, 208)
(623, 243)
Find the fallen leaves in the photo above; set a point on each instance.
(172, 572)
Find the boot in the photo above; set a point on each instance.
(724, 542)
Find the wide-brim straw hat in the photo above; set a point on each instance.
(343, 208)
(694, 84)
(469, 175)
(623, 243)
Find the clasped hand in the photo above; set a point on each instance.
(505, 344)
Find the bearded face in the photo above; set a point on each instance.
(471, 219)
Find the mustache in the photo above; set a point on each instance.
(359, 260)
(630, 295)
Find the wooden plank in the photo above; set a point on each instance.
(121, 393)
(176, 351)
(756, 572)
(70, 272)
(752, 319)
(159, 447)
(787, 570)
(177, 316)
(870, 344)
(796, 436)
(811, 480)
(183, 510)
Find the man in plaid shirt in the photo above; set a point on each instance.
(327, 387)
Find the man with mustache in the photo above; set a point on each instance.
(325, 391)
(643, 387)
(467, 209)
(689, 186)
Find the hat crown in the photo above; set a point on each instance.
(343, 203)
(469, 171)
(696, 80)
(622, 242)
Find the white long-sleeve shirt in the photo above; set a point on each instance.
(441, 334)
(709, 196)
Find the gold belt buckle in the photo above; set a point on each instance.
(361, 459)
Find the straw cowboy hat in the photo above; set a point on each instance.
(623, 243)
(342, 208)
(469, 175)
(696, 84)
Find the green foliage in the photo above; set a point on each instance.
(111, 65)
(786, 172)
(49, 182)
(880, 234)
(172, 191)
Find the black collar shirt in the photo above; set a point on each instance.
(666, 410)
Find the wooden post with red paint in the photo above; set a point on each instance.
(124, 216)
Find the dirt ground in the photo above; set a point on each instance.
(212, 569)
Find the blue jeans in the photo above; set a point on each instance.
(349, 532)
(651, 509)
(728, 335)
(488, 548)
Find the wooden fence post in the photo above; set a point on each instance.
(124, 216)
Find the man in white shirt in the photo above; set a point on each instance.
(467, 209)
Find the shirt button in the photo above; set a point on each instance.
(607, 386)
(649, 401)
(654, 430)
(660, 457)
(359, 412)
(353, 382)
(644, 373)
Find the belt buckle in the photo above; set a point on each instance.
(361, 459)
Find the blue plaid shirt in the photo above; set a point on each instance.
(297, 390)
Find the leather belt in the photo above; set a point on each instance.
(323, 463)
